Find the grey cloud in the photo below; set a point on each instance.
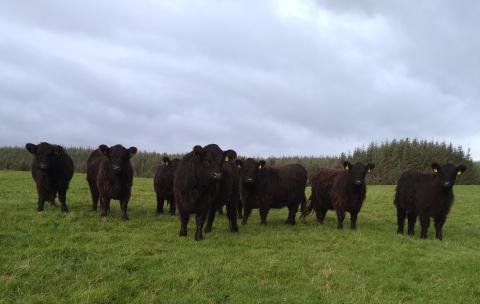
(165, 76)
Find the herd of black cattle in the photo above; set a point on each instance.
(208, 178)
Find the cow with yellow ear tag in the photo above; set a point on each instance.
(227, 193)
(265, 187)
(163, 184)
(426, 195)
(340, 190)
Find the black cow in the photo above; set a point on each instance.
(163, 184)
(195, 185)
(228, 192)
(110, 176)
(52, 170)
(426, 195)
(339, 190)
(266, 187)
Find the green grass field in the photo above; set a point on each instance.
(78, 257)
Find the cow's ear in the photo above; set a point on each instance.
(461, 169)
(435, 167)
(239, 164)
(370, 167)
(104, 149)
(347, 165)
(261, 164)
(58, 150)
(166, 160)
(198, 151)
(132, 151)
(229, 155)
(31, 148)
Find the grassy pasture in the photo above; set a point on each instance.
(78, 257)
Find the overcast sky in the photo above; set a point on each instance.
(261, 77)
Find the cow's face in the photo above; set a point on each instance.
(118, 156)
(210, 159)
(447, 174)
(249, 169)
(357, 172)
(45, 154)
(171, 163)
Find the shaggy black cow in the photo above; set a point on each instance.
(110, 176)
(426, 195)
(163, 184)
(266, 187)
(52, 170)
(195, 185)
(339, 190)
(227, 192)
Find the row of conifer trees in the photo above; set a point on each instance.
(390, 157)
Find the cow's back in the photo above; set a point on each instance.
(322, 181)
(408, 185)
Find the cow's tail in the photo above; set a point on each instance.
(306, 207)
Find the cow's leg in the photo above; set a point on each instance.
(124, 207)
(172, 205)
(401, 213)
(95, 196)
(62, 196)
(340, 218)
(263, 215)
(240, 208)
(320, 213)
(160, 202)
(353, 220)
(292, 211)
(246, 213)
(104, 202)
(211, 218)
(320, 209)
(51, 199)
(200, 221)
(412, 219)
(184, 218)
(439, 221)
(424, 222)
(41, 201)
(232, 208)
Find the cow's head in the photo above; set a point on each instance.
(249, 169)
(45, 154)
(357, 172)
(118, 156)
(447, 174)
(210, 158)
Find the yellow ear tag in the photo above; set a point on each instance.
(435, 170)
(369, 170)
(259, 167)
(226, 158)
(346, 168)
(459, 173)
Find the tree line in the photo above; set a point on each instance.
(391, 158)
